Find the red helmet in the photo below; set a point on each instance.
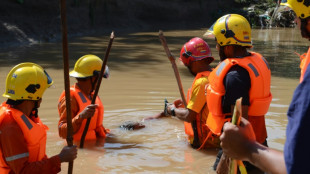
(194, 50)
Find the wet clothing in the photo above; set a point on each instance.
(23, 143)
(196, 101)
(296, 148)
(78, 102)
(247, 77)
(196, 94)
(238, 82)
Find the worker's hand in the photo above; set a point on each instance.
(236, 141)
(88, 111)
(68, 153)
(178, 103)
(169, 107)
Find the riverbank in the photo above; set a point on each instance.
(24, 22)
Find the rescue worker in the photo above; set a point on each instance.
(196, 56)
(238, 143)
(240, 74)
(22, 134)
(86, 71)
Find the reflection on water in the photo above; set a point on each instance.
(141, 77)
(279, 46)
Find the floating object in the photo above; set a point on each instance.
(131, 125)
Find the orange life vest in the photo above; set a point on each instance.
(205, 137)
(305, 60)
(95, 121)
(34, 134)
(260, 96)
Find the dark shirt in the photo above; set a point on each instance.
(296, 149)
(237, 84)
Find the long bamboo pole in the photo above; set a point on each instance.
(177, 76)
(174, 66)
(97, 87)
(66, 77)
(227, 165)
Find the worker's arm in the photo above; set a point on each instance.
(195, 104)
(15, 152)
(238, 142)
(183, 114)
(77, 118)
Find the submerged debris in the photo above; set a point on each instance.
(131, 125)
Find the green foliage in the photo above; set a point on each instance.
(243, 1)
(248, 2)
(257, 10)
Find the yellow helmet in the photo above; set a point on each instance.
(26, 81)
(232, 29)
(300, 7)
(87, 66)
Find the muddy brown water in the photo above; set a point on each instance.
(141, 78)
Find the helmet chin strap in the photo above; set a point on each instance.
(34, 112)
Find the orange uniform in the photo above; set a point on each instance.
(196, 102)
(78, 102)
(23, 143)
(259, 93)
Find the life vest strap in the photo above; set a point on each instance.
(205, 140)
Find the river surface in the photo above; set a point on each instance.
(141, 78)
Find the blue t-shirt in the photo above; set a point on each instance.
(297, 145)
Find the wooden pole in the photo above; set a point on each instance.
(66, 77)
(227, 165)
(97, 86)
(174, 66)
(177, 76)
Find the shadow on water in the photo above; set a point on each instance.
(136, 49)
(133, 50)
